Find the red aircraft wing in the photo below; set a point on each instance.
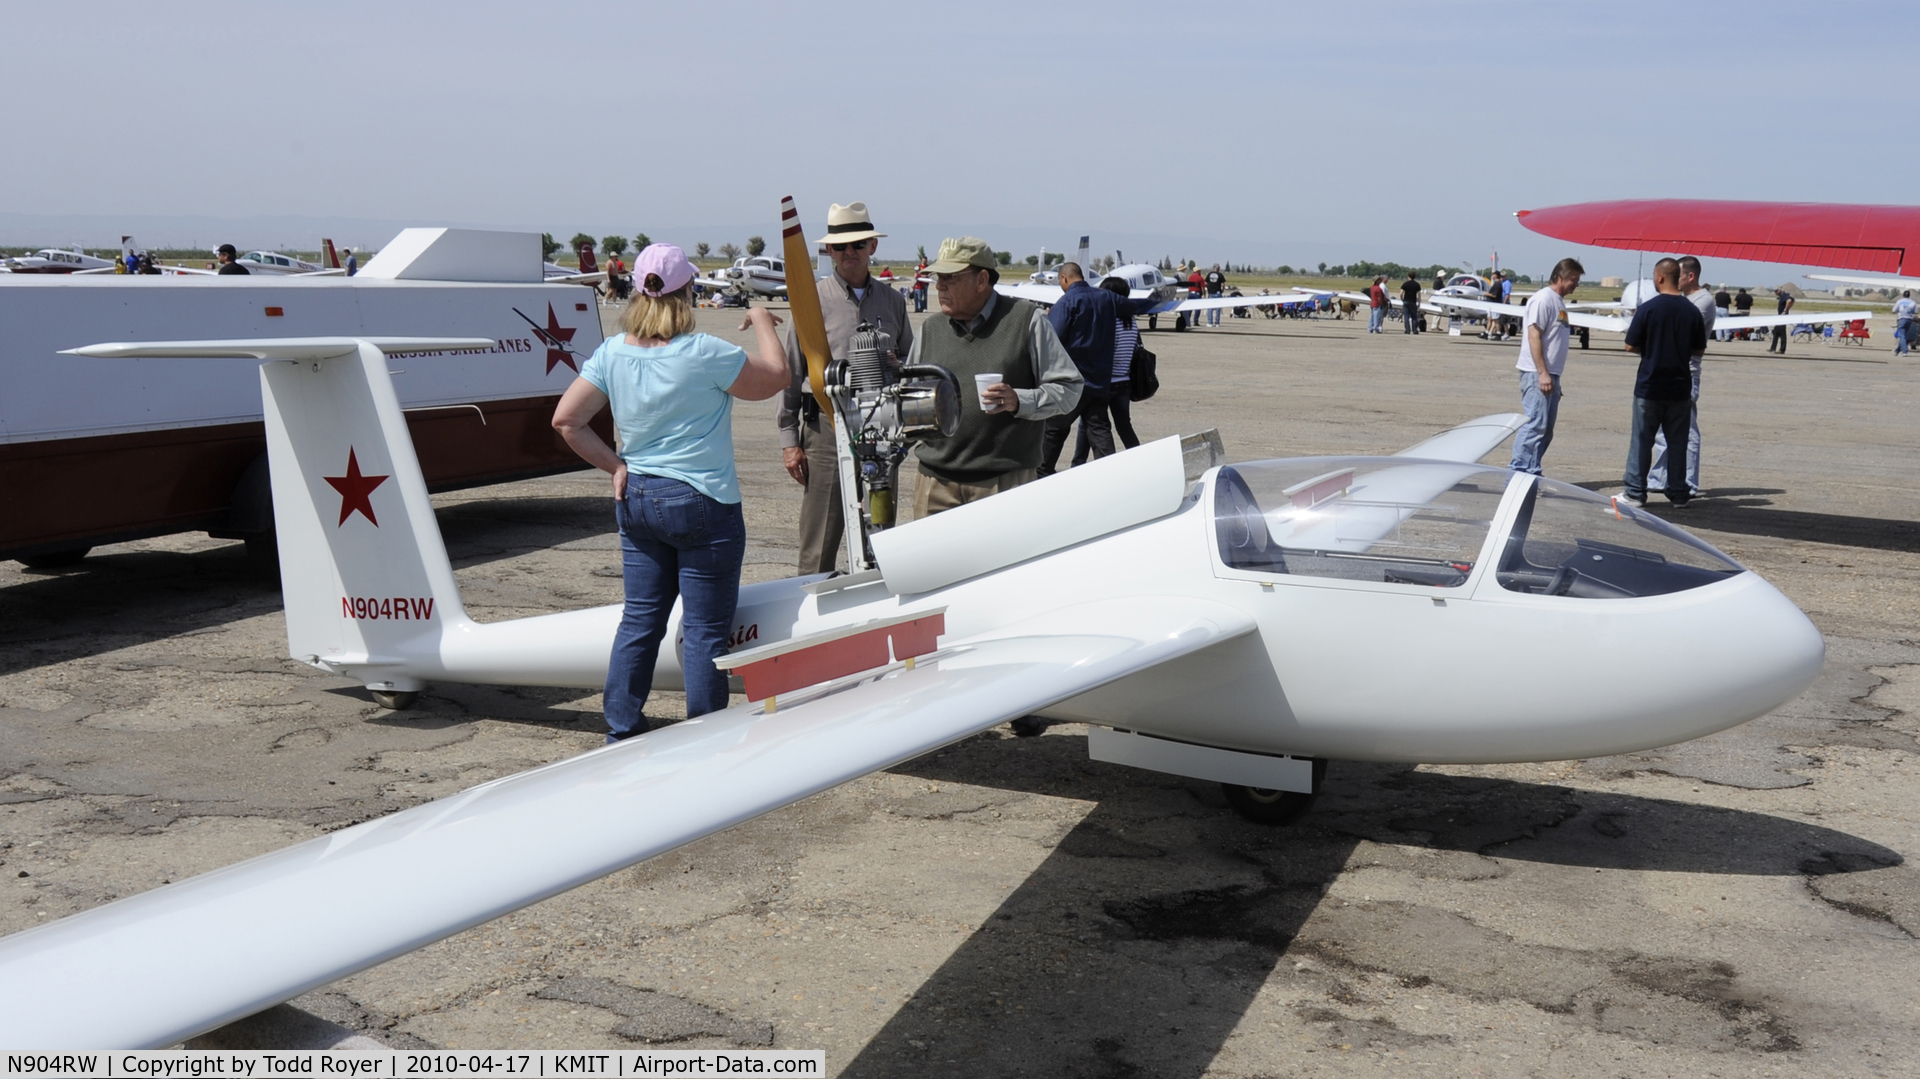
(1875, 238)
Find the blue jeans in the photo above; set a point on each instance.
(1657, 475)
(1411, 313)
(675, 543)
(1530, 442)
(1373, 319)
(1649, 417)
(1901, 330)
(1213, 313)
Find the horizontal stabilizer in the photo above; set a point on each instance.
(1468, 442)
(276, 348)
(159, 967)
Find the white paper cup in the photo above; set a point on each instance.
(980, 384)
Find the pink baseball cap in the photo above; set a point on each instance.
(666, 262)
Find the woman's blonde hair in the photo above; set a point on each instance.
(659, 317)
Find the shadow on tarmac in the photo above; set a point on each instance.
(1138, 945)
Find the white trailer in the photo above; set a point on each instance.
(96, 451)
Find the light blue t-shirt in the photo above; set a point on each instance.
(671, 407)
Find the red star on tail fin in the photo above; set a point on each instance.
(354, 490)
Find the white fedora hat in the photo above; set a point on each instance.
(849, 224)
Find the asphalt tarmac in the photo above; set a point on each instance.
(1741, 905)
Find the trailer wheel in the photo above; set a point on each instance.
(1029, 727)
(398, 700)
(1271, 807)
(55, 559)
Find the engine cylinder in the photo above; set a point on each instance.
(867, 358)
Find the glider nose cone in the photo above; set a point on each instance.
(1779, 651)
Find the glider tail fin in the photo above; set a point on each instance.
(367, 583)
(329, 258)
(587, 263)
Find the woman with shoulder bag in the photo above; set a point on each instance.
(676, 495)
(1126, 346)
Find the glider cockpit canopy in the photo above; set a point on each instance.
(1396, 521)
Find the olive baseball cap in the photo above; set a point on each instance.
(964, 253)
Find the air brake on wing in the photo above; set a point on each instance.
(816, 658)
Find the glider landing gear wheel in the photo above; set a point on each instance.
(55, 559)
(1029, 727)
(398, 700)
(1274, 807)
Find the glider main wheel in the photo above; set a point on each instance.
(398, 700)
(1274, 808)
(1029, 727)
(55, 559)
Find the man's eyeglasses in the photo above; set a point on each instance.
(842, 247)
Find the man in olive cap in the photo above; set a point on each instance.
(979, 332)
(849, 296)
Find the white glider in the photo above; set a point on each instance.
(1253, 620)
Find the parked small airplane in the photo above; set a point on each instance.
(589, 272)
(1234, 623)
(1145, 281)
(273, 262)
(757, 275)
(1586, 321)
(54, 260)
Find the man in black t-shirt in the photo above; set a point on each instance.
(1410, 303)
(1216, 284)
(1666, 332)
(227, 264)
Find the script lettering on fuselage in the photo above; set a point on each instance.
(391, 608)
(742, 634)
(500, 345)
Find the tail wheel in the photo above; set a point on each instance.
(398, 700)
(1270, 807)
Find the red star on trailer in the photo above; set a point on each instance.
(557, 338)
(354, 490)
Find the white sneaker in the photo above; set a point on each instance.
(1636, 503)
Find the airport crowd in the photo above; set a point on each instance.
(1037, 372)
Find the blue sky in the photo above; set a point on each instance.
(1248, 132)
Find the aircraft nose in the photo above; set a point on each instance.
(1771, 652)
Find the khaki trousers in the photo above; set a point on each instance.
(932, 495)
(821, 526)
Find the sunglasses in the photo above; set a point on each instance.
(842, 247)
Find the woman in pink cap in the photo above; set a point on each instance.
(677, 498)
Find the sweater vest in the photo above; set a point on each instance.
(986, 445)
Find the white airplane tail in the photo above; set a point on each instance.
(362, 563)
(365, 574)
(369, 591)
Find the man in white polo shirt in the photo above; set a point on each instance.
(1543, 355)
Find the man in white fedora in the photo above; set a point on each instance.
(848, 296)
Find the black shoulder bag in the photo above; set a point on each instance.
(1144, 373)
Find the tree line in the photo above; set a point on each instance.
(616, 246)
